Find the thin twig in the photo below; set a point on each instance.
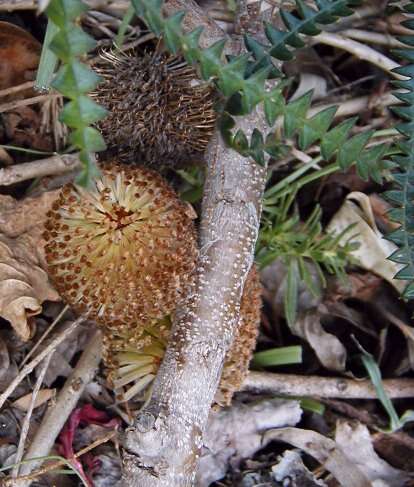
(12, 105)
(36, 361)
(12, 5)
(15, 89)
(314, 386)
(57, 164)
(45, 334)
(57, 415)
(359, 50)
(26, 422)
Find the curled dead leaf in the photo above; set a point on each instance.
(24, 285)
(373, 248)
(327, 347)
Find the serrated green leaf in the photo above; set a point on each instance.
(351, 149)
(71, 42)
(295, 113)
(274, 105)
(88, 138)
(315, 127)
(335, 138)
(240, 142)
(190, 45)
(62, 12)
(172, 31)
(82, 111)
(90, 171)
(231, 76)
(253, 89)
(75, 79)
(210, 61)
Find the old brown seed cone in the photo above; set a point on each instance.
(158, 111)
(236, 364)
(133, 360)
(123, 251)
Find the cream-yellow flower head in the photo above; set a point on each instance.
(123, 251)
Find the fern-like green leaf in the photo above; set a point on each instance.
(403, 194)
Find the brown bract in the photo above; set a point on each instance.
(158, 110)
(123, 251)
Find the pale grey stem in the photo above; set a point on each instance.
(57, 415)
(26, 422)
(12, 5)
(163, 446)
(324, 387)
(36, 361)
(57, 164)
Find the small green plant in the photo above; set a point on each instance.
(374, 373)
(301, 246)
(74, 80)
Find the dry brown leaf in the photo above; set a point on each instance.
(329, 350)
(19, 54)
(43, 396)
(24, 284)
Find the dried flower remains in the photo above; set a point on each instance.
(158, 111)
(133, 360)
(123, 251)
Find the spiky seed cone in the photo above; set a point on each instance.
(157, 110)
(133, 360)
(122, 252)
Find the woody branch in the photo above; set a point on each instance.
(162, 447)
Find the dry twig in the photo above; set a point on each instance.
(36, 361)
(57, 164)
(26, 423)
(329, 387)
(57, 415)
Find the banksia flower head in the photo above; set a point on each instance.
(133, 360)
(158, 111)
(122, 252)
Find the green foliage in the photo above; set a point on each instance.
(278, 356)
(402, 195)
(396, 422)
(241, 79)
(303, 247)
(74, 80)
